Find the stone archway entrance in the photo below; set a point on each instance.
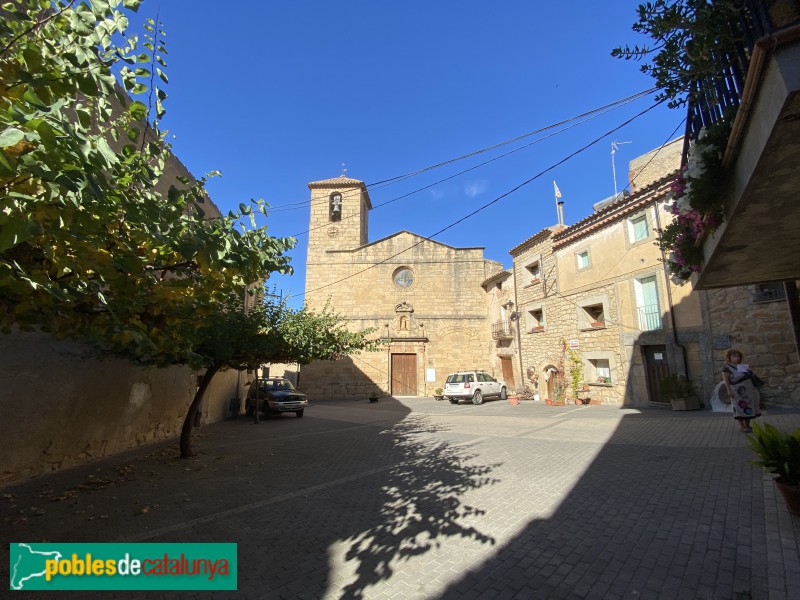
(550, 372)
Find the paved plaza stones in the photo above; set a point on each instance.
(415, 498)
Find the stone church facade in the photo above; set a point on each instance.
(429, 303)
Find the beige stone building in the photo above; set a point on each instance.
(601, 287)
(432, 305)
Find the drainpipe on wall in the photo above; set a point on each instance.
(669, 299)
(519, 329)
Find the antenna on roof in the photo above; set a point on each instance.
(614, 147)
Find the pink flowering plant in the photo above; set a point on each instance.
(697, 203)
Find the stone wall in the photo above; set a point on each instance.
(748, 319)
(69, 407)
(441, 317)
(652, 166)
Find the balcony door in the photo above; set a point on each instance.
(647, 304)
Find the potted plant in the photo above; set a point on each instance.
(575, 373)
(584, 389)
(438, 394)
(559, 389)
(779, 453)
(679, 390)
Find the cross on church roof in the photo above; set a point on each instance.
(344, 171)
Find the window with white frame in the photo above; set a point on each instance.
(637, 228)
(600, 370)
(647, 304)
(583, 259)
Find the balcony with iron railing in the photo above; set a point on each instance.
(501, 330)
(757, 90)
(714, 98)
(650, 317)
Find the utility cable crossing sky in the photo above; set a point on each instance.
(492, 202)
(591, 114)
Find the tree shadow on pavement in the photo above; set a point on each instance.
(324, 506)
(419, 501)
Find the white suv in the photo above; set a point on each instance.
(473, 385)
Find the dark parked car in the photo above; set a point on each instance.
(275, 395)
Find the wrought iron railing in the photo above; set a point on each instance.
(650, 317)
(501, 330)
(714, 97)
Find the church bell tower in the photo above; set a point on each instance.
(338, 223)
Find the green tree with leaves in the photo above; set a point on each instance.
(688, 37)
(96, 243)
(270, 332)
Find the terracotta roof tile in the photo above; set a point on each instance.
(340, 181)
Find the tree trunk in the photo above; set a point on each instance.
(194, 408)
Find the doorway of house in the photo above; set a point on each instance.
(404, 374)
(656, 369)
(550, 373)
(508, 372)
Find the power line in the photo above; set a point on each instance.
(519, 137)
(435, 183)
(382, 183)
(488, 204)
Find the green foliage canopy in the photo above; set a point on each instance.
(778, 452)
(96, 240)
(688, 37)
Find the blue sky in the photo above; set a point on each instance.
(276, 94)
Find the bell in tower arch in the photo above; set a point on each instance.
(336, 206)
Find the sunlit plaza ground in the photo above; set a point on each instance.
(413, 498)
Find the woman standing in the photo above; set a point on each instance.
(739, 385)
